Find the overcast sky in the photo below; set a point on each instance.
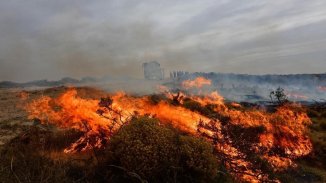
(50, 39)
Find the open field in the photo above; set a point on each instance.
(21, 137)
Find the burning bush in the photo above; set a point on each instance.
(275, 138)
(144, 151)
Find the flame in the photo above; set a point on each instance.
(71, 111)
(234, 104)
(199, 82)
(296, 95)
(23, 95)
(281, 136)
(285, 129)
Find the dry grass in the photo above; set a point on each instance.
(36, 155)
(13, 118)
(33, 153)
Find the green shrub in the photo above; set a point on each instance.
(197, 157)
(144, 147)
(160, 154)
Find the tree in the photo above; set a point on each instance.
(279, 95)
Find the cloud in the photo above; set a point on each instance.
(53, 39)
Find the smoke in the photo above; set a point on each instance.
(68, 43)
(55, 39)
(257, 88)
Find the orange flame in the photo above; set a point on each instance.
(296, 95)
(281, 138)
(199, 82)
(23, 95)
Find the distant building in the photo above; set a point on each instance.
(153, 71)
(178, 74)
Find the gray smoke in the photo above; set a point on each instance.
(54, 39)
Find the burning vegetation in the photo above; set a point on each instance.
(252, 144)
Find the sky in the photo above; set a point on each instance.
(51, 39)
